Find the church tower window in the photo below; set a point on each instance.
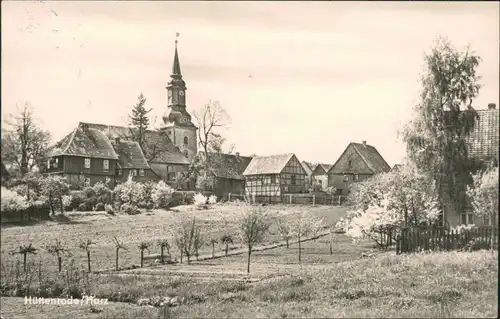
(185, 140)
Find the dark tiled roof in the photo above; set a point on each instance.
(483, 140)
(158, 143)
(130, 155)
(160, 169)
(273, 164)
(228, 165)
(321, 169)
(85, 142)
(369, 155)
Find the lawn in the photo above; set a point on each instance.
(434, 285)
(159, 224)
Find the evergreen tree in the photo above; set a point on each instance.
(139, 121)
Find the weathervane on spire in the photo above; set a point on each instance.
(176, 36)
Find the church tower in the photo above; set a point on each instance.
(176, 120)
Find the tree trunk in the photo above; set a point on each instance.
(286, 239)
(227, 248)
(25, 256)
(161, 255)
(116, 264)
(142, 258)
(188, 258)
(300, 250)
(88, 260)
(28, 192)
(59, 262)
(62, 206)
(51, 205)
(181, 256)
(248, 262)
(213, 250)
(331, 248)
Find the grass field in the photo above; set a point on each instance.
(101, 228)
(436, 285)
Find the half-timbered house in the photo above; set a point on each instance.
(320, 176)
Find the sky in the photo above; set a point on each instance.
(295, 77)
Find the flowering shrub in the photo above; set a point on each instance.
(389, 200)
(67, 200)
(212, 200)
(161, 195)
(200, 200)
(129, 192)
(12, 201)
(483, 194)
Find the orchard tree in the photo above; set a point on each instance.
(163, 244)
(143, 246)
(54, 188)
(227, 240)
(25, 250)
(304, 224)
(252, 228)
(57, 249)
(85, 245)
(285, 229)
(139, 121)
(436, 137)
(118, 245)
(24, 143)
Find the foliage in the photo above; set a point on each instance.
(102, 192)
(57, 249)
(54, 188)
(162, 195)
(25, 250)
(139, 121)
(130, 192)
(212, 199)
(226, 239)
(200, 200)
(189, 238)
(304, 224)
(284, 229)
(24, 143)
(100, 207)
(436, 138)
(331, 190)
(12, 201)
(130, 209)
(163, 244)
(252, 227)
(483, 193)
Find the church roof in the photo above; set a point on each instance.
(368, 154)
(272, 164)
(483, 140)
(176, 67)
(228, 166)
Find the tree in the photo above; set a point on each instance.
(179, 243)
(54, 188)
(163, 244)
(25, 250)
(188, 238)
(139, 121)
(210, 120)
(252, 228)
(57, 249)
(143, 246)
(436, 138)
(213, 241)
(302, 225)
(85, 245)
(284, 229)
(226, 239)
(24, 143)
(118, 245)
(198, 242)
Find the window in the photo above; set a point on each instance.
(105, 165)
(170, 176)
(466, 219)
(134, 172)
(487, 220)
(349, 163)
(185, 140)
(87, 163)
(293, 181)
(273, 179)
(141, 172)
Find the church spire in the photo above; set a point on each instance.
(176, 68)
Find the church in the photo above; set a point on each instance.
(94, 153)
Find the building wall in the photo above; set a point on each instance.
(76, 165)
(149, 176)
(223, 186)
(177, 135)
(343, 182)
(77, 181)
(350, 162)
(322, 180)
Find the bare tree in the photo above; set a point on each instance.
(211, 118)
(25, 250)
(143, 246)
(252, 228)
(284, 229)
(226, 239)
(85, 245)
(163, 244)
(304, 224)
(57, 249)
(118, 245)
(24, 143)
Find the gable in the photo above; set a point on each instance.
(228, 165)
(272, 164)
(350, 162)
(319, 170)
(294, 166)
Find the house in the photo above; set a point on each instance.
(482, 147)
(358, 162)
(320, 176)
(5, 173)
(97, 152)
(274, 176)
(308, 167)
(227, 171)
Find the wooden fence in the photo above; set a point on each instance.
(301, 199)
(411, 240)
(39, 212)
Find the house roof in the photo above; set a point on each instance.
(370, 156)
(273, 164)
(228, 165)
(307, 167)
(483, 140)
(130, 155)
(84, 142)
(322, 169)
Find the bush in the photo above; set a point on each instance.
(99, 207)
(12, 201)
(102, 193)
(130, 209)
(77, 198)
(109, 209)
(162, 195)
(212, 199)
(200, 200)
(129, 192)
(84, 207)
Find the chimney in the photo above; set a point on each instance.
(491, 106)
(364, 143)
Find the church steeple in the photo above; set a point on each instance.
(176, 68)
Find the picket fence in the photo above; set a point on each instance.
(411, 240)
(39, 212)
(301, 199)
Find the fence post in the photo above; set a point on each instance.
(339, 200)
(290, 195)
(229, 197)
(314, 199)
